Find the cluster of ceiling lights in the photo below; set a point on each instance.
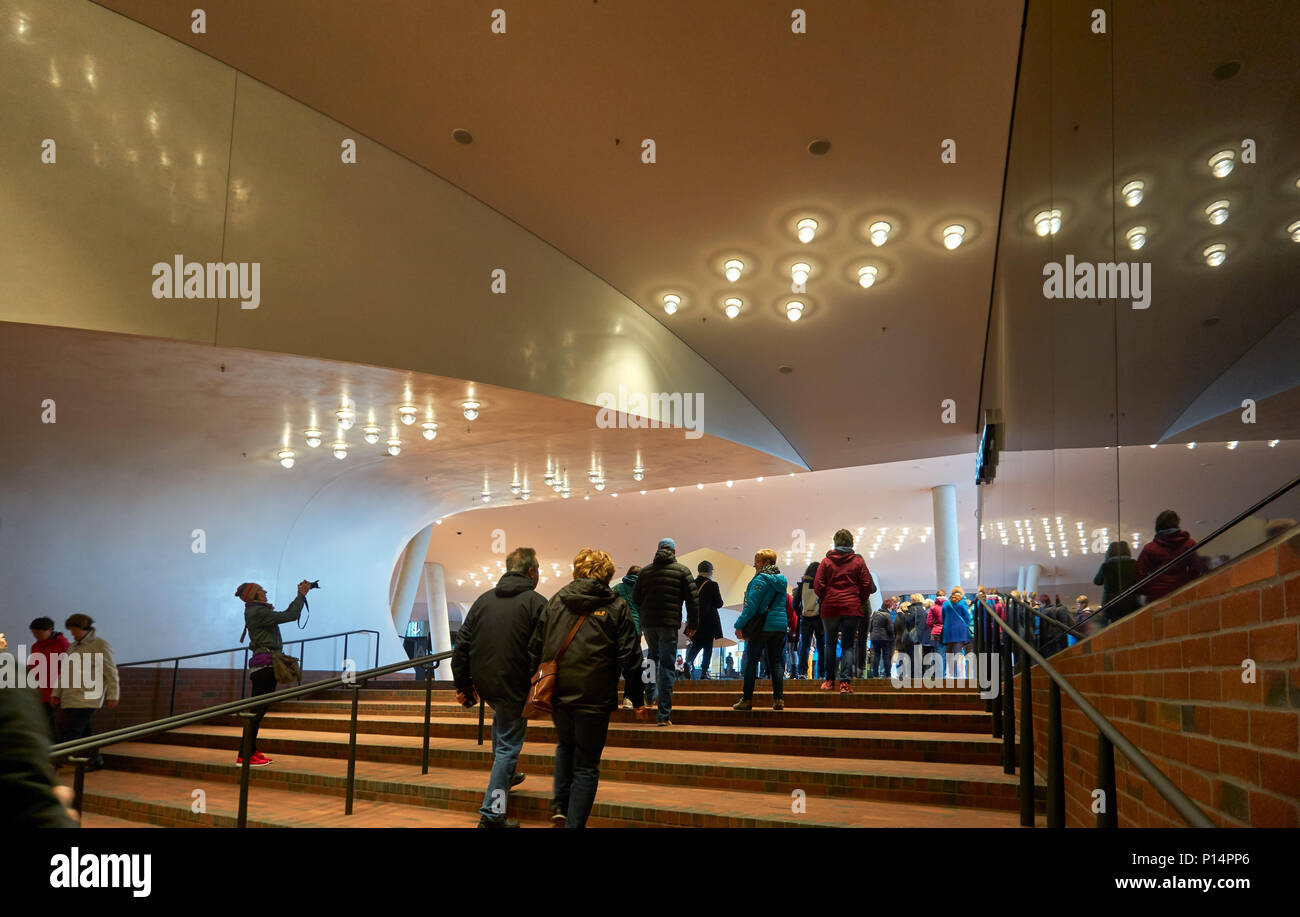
(805, 231)
(557, 478)
(1132, 193)
(1231, 444)
(345, 418)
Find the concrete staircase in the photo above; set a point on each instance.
(880, 757)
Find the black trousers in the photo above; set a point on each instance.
(263, 683)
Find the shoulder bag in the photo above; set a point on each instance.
(541, 693)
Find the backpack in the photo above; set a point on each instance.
(811, 605)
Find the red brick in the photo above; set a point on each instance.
(1203, 617)
(1272, 602)
(1213, 585)
(1229, 649)
(1274, 643)
(1240, 609)
(1203, 684)
(1232, 688)
(1229, 723)
(1175, 623)
(1288, 555)
(1253, 569)
(1203, 753)
(1240, 762)
(1196, 652)
(1197, 786)
(1176, 685)
(1279, 773)
(1180, 598)
(1268, 811)
(1142, 627)
(1174, 747)
(1168, 656)
(1275, 729)
(1291, 592)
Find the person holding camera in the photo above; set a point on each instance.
(263, 622)
(491, 661)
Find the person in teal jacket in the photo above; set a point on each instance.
(624, 588)
(763, 623)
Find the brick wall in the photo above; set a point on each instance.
(1170, 678)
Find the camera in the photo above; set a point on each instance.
(314, 584)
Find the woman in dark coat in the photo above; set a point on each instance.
(710, 621)
(1117, 573)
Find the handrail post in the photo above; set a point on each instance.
(376, 649)
(79, 781)
(302, 657)
(428, 705)
(243, 682)
(1008, 712)
(176, 667)
(1026, 750)
(996, 702)
(480, 720)
(345, 648)
(245, 756)
(352, 747)
(1108, 817)
(1055, 759)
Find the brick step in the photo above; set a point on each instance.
(955, 748)
(900, 700)
(920, 720)
(933, 783)
(384, 689)
(394, 792)
(97, 820)
(166, 802)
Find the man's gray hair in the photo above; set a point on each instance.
(521, 560)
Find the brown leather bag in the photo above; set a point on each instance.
(541, 693)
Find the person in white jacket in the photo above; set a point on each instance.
(88, 681)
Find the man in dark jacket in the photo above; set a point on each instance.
(710, 621)
(1169, 542)
(661, 589)
(1118, 572)
(491, 661)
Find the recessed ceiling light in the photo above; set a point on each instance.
(952, 236)
(1217, 213)
(867, 276)
(1137, 237)
(1215, 254)
(371, 432)
(1047, 222)
(460, 135)
(732, 269)
(313, 437)
(879, 232)
(1221, 163)
(794, 310)
(732, 306)
(1232, 445)
(430, 429)
(1132, 192)
(470, 409)
(1227, 70)
(785, 370)
(671, 302)
(806, 229)
(799, 273)
(1294, 231)
(286, 457)
(819, 147)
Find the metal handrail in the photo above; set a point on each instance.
(1109, 738)
(80, 751)
(302, 649)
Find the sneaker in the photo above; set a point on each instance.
(518, 779)
(827, 686)
(778, 704)
(627, 703)
(668, 722)
(744, 703)
(846, 688)
(254, 760)
(485, 822)
(558, 818)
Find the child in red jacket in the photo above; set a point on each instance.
(50, 645)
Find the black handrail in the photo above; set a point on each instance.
(176, 660)
(1109, 738)
(80, 751)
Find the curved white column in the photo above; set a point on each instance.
(947, 559)
(435, 588)
(1032, 573)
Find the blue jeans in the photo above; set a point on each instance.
(768, 646)
(76, 725)
(882, 651)
(694, 649)
(839, 629)
(662, 642)
(808, 627)
(580, 740)
(508, 727)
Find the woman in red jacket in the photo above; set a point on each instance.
(50, 644)
(843, 584)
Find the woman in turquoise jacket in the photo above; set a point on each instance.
(957, 627)
(763, 623)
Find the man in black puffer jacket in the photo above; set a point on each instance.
(662, 587)
(491, 661)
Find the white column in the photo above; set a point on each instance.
(408, 579)
(1020, 580)
(1031, 579)
(435, 587)
(947, 560)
